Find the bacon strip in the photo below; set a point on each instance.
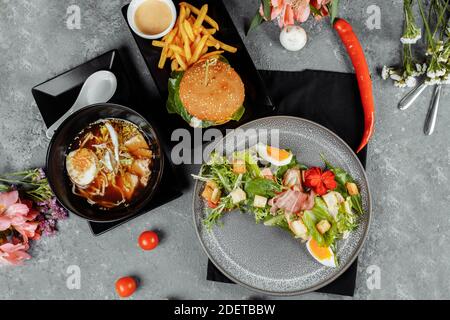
(292, 201)
(293, 178)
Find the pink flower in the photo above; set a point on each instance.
(18, 215)
(321, 6)
(13, 254)
(289, 11)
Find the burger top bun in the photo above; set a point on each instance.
(211, 90)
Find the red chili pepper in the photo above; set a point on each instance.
(356, 53)
(320, 181)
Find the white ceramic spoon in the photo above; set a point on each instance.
(99, 87)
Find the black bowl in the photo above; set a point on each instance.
(58, 149)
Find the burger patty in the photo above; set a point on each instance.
(212, 91)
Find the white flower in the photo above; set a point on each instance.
(409, 40)
(411, 82)
(436, 73)
(421, 68)
(396, 77)
(386, 72)
(442, 58)
(400, 84)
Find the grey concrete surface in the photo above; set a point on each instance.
(408, 172)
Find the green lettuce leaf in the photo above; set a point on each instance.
(277, 221)
(312, 217)
(342, 177)
(261, 187)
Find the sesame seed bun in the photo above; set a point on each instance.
(212, 91)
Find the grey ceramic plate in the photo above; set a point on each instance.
(268, 259)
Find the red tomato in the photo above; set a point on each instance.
(126, 286)
(148, 240)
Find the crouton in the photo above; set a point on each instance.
(352, 188)
(238, 195)
(323, 226)
(259, 201)
(239, 166)
(215, 196)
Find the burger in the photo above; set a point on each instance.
(209, 93)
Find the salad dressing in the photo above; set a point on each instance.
(153, 17)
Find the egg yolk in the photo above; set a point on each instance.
(321, 253)
(277, 154)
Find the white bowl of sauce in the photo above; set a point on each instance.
(151, 19)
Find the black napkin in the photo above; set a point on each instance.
(331, 99)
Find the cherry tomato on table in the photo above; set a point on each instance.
(126, 286)
(148, 240)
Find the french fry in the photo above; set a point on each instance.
(177, 49)
(174, 65)
(187, 48)
(198, 49)
(189, 31)
(201, 16)
(212, 43)
(171, 35)
(189, 41)
(227, 47)
(182, 15)
(162, 58)
(180, 61)
(196, 11)
(211, 54)
(159, 44)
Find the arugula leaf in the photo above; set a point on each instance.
(261, 187)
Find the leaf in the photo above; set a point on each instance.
(174, 104)
(313, 216)
(262, 187)
(277, 221)
(266, 8)
(356, 203)
(238, 114)
(256, 21)
(334, 10)
(314, 10)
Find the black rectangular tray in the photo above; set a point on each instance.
(55, 96)
(257, 101)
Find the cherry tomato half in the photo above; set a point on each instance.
(148, 240)
(126, 286)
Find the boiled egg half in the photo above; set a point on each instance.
(276, 156)
(323, 255)
(82, 165)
